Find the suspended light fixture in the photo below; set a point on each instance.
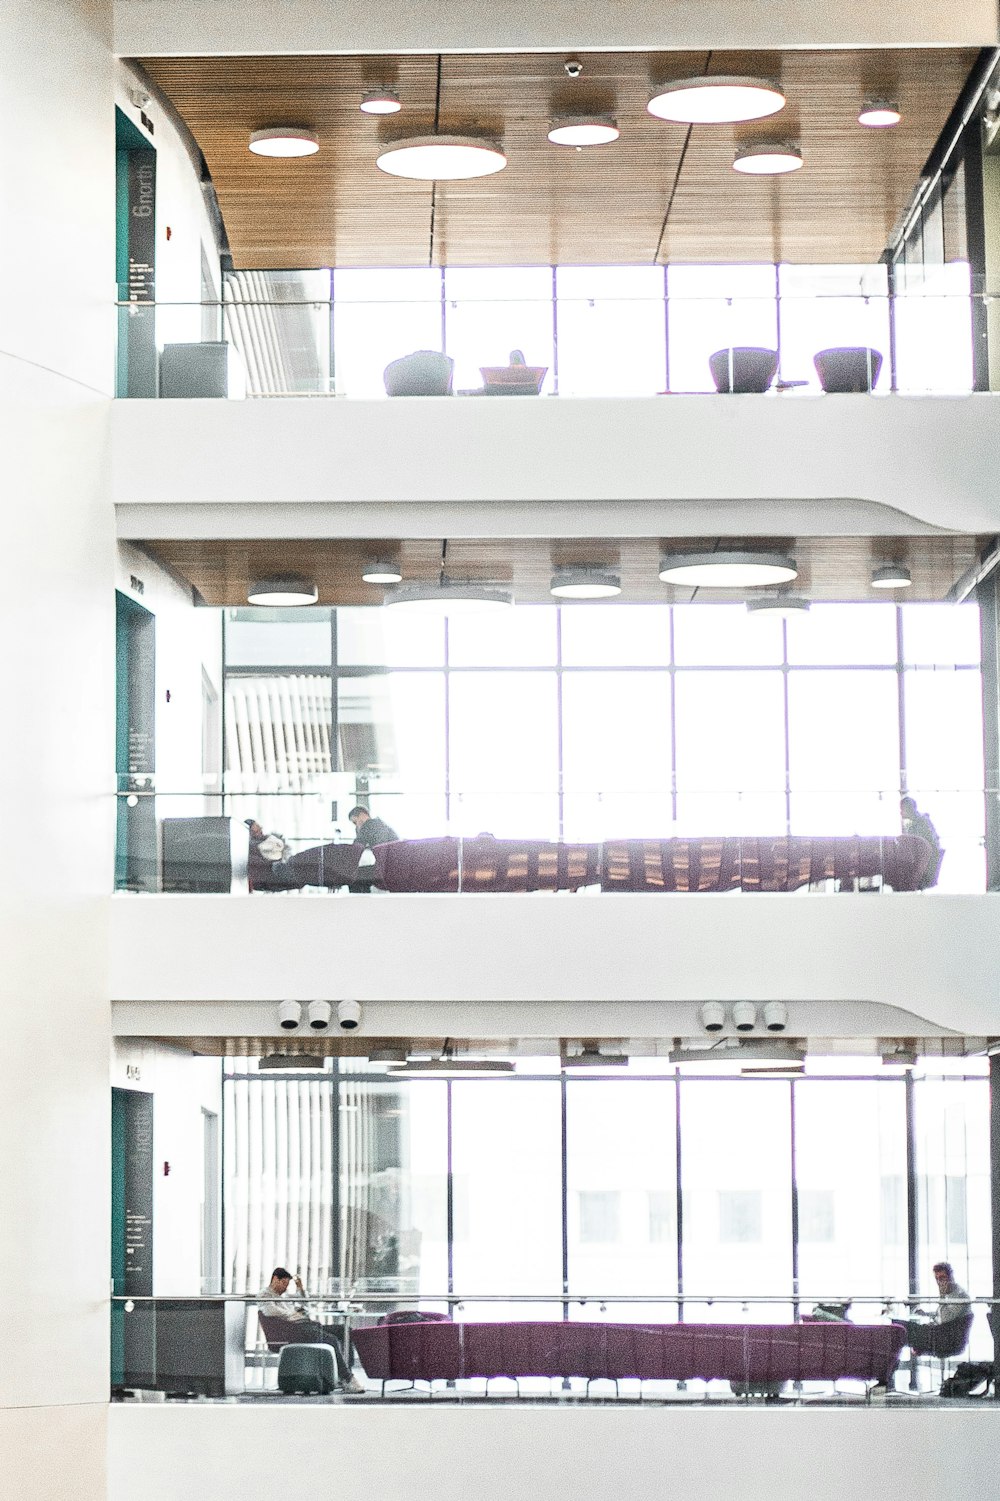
(585, 583)
(450, 597)
(727, 570)
(891, 576)
(720, 100)
(783, 606)
(877, 114)
(584, 130)
(767, 158)
(380, 102)
(283, 141)
(441, 158)
(283, 592)
(381, 571)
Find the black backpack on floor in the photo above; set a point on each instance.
(969, 1377)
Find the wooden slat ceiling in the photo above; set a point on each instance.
(662, 192)
(829, 568)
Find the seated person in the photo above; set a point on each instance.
(368, 832)
(272, 1306)
(267, 867)
(917, 823)
(271, 866)
(941, 1337)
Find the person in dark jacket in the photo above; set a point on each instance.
(370, 831)
(915, 822)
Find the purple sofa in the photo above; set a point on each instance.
(750, 1353)
(770, 863)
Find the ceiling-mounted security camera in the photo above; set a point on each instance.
(573, 67)
(744, 1016)
(776, 1016)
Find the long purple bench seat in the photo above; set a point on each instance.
(750, 1353)
(772, 863)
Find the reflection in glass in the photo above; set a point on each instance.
(829, 307)
(381, 315)
(736, 1170)
(611, 333)
(508, 1216)
(850, 1165)
(391, 730)
(716, 307)
(621, 1194)
(491, 311)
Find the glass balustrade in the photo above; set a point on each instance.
(488, 839)
(787, 331)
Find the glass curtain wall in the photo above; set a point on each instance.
(570, 1190)
(592, 722)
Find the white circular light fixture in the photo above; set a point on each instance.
(438, 158)
(283, 592)
(381, 571)
(585, 583)
(381, 102)
(584, 130)
(284, 141)
(727, 570)
(767, 158)
(721, 100)
(781, 605)
(877, 114)
(450, 598)
(891, 576)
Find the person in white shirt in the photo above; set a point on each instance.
(949, 1333)
(272, 1305)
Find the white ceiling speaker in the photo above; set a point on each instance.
(721, 100)
(319, 1015)
(441, 158)
(767, 158)
(891, 576)
(584, 130)
(283, 592)
(289, 1015)
(380, 102)
(713, 1016)
(283, 141)
(585, 583)
(878, 114)
(348, 1015)
(744, 1016)
(727, 570)
(776, 1016)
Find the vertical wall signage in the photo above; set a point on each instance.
(141, 273)
(133, 1342)
(135, 750)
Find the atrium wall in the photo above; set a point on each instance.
(56, 676)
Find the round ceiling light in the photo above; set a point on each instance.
(891, 576)
(585, 583)
(584, 130)
(284, 591)
(878, 113)
(439, 158)
(781, 605)
(721, 100)
(727, 570)
(767, 158)
(450, 598)
(381, 571)
(381, 102)
(284, 140)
